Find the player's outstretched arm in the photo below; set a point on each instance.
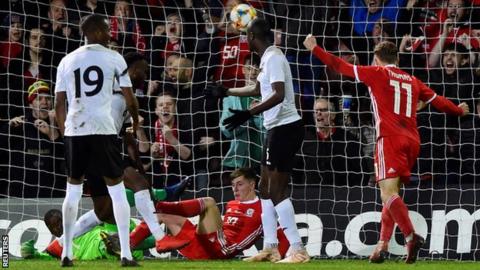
(337, 64)
(444, 105)
(246, 91)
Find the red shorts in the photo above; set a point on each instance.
(202, 246)
(395, 156)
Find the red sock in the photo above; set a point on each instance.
(188, 208)
(54, 249)
(399, 213)
(139, 234)
(386, 230)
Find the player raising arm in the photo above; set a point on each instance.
(85, 78)
(394, 95)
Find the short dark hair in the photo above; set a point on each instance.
(252, 59)
(260, 29)
(246, 172)
(52, 213)
(133, 57)
(456, 47)
(387, 52)
(92, 23)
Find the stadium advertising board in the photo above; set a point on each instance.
(334, 222)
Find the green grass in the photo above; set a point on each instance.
(237, 264)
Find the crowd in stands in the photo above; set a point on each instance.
(190, 44)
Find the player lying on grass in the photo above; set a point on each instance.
(87, 240)
(212, 238)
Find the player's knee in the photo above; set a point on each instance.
(209, 202)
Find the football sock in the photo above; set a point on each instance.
(399, 213)
(387, 226)
(188, 208)
(139, 234)
(69, 213)
(145, 206)
(121, 211)
(148, 243)
(286, 218)
(269, 224)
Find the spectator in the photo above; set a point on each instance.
(172, 157)
(33, 150)
(470, 148)
(200, 117)
(246, 140)
(11, 47)
(171, 41)
(296, 21)
(330, 155)
(456, 29)
(125, 29)
(60, 35)
(35, 65)
(438, 132)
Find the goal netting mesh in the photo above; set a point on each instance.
(190, 43)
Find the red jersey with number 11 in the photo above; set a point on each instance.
(395, 95)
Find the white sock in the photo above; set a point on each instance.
(286, 218)
(269, 224)
(69, 213)
(144, 205)
(121, 210)
(86, 222)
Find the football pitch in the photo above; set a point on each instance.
(237, 264)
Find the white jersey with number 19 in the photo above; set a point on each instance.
(87, 75)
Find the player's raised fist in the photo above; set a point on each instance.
(310, 42)
(464, 107)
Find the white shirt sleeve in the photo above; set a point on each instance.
(121, 69)
(60, 84)
(275, 68)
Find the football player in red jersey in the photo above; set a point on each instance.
(395, 95)
(213, 237)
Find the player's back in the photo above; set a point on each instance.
(394, 95)
(87, 75)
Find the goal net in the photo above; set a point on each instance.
(191, 45)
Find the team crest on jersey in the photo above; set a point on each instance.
(243, 38)
(250, 212)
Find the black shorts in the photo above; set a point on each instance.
(281, 145)
(98, 153)
(96, 184)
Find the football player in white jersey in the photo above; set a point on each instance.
(285, 134)
(85, 78)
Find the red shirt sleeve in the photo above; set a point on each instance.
(337, 64)
(438, 102)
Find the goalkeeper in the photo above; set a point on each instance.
(88, 244)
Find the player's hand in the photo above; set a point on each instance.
(239, 117)
(214, 90)
(27, 250)
(310, 42)
(464, 107)
(16, 121)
